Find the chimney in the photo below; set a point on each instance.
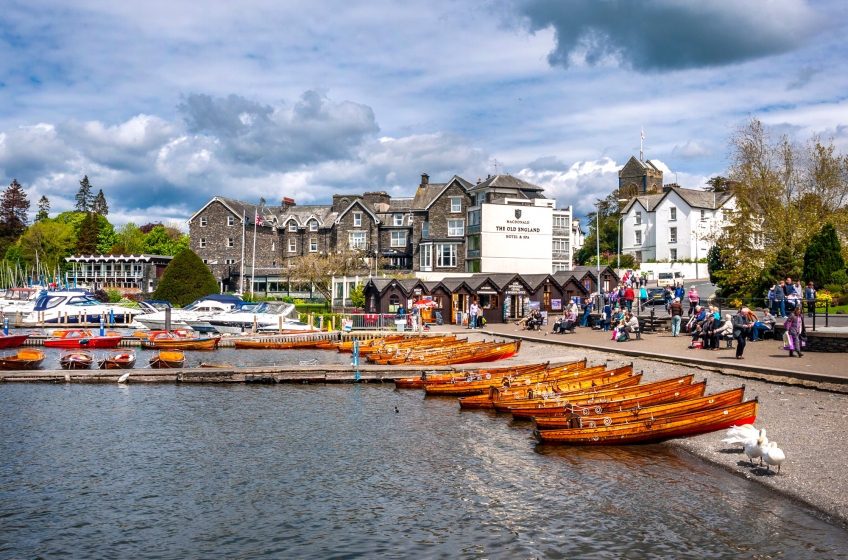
(479, 180)
(425, 179)
(286, 204)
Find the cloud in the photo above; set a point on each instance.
(691, 150)
(661, 35)
(580, 185)
(805, 74)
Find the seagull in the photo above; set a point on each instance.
(773, 455)
(756, 447)
(741, 434)
(396, 410)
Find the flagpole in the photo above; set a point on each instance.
(641, 139)
(241, 273)
(253, 264)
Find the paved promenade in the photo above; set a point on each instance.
(761, 358)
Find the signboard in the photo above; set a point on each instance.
(556, 305)
(516, 288)
(515, 237)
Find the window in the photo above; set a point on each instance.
(397, 219)
(672, 235)
(203, 242)
(703, 214)
(202, 221)
(473, 243)
(230, 242)
(560, 222)
(672, 254)
(425, 230)
(313, 245)
(446, 254)
(230, 261)
(313, 225)
(409, 220)
(204, 261)
(292, 245)
(292, 225)
(356, 239)
(560, 246)
(638, 218)
(559, 267)
(638, 238)
(394, 303)
(456, 228)
(357, 219)
(456, 205)
(398, 239)
(672, 214)
(425, 259)
(474, 218)
(231, 220)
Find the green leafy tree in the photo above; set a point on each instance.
(84, 197)
(357, 296)
(823, 257)
(714, 263)
(129, 240)
(186, 279)
(52, 240)
(87, 237)
(607, 213)
(98, 205)
(158, 242)
(43, 209)
(14, 256)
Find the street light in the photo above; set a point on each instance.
(618, 238)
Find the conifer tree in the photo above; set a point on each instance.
(186, 279)
(823, 256)
(84, 197)
(87, 238)
(43, 209)
(99, 206)
(13, 211)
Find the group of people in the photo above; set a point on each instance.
(785, 297)
(475, 316)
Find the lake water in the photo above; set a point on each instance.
(313, 471)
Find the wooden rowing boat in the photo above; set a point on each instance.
(656, 429)
(26, 358)
(78, 338)
(347, 345)
(76, 359)
(381, 347)
(118, 359)
(578, 419)
(486, 352)
(608, 383)
(397, 353)
(168, 359)
(460, 387)
(178, 340)
(283, 344)
(469, 375)
(528, 409)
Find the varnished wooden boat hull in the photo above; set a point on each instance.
(674, 408)
(76, 360)
(184, 344)
(121, 360)
(606, 385)
(488, 373)
(657, 430)
(24, 359)
(282, 345)
(489, 352)
(165, 360)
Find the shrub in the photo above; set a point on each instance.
(114, 296)
(834, 288)
(839, 277)
(186, 279)
(823, 297)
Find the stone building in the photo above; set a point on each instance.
(639, 177)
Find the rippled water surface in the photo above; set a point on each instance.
(170, 471)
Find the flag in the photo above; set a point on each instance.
(643, 134)
(258, 220)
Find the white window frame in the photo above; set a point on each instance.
(397, 219)
(313, 225)
(672, 214)
(452, 227)
(231, 242)
(638, 216)
(425, 257)
(202, 242)
(361, 239)
(672, 254)
(560, 222)
(638, 239)
(357, 219)
(292, 245)
(456, 205)
(313, 244)
(425, 230)
(703, 214)
(672, 235)
(398, 239)
(292, 225)
(231, 220)
(451, 257)
(560, 245)
(202, 221)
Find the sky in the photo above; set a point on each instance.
(165, 104)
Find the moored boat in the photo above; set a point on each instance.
(656, 429)
(12, 340)
(168, 359)
(25, 358)
(271, 344)
(178, 340)
(117, 359)
(468, 375)
(76, 359)
(79, 338)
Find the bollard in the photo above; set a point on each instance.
(111, 316)
(6, 326)
(355, 362)
(320, 322)
(102, 327)
(280, 328)
(332, 323)
(167, 318)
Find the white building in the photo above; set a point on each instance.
(675, 225)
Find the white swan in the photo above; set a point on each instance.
(773, 455)
(755, 447)
(741, 434)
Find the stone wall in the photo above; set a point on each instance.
(368, 225)
(440, 213)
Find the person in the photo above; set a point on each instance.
(700, 313)
(741, 326)
(792, 302)
(631, 324)
(708, 333)
(770, 299)
(794, 326)
(725, 331)
(643, 297)
(678, 292)
(628, 298)
(568, 321)
(762, 326)
(779, 300)
(479, 323)
(472, 315)
(587, 310)
(697, 331)
(694, 299)
(676, 311)
(810, 298)
(605, 321)
(668, 297)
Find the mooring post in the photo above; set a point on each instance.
(356, 358)
(102, 327)
(111, 317)
(5, 325)
(167, 318)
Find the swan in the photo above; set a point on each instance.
(741, 434)
(773, 455)
(755, 447)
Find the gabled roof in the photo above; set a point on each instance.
(362, 205)
(702, 199)
(507, 182)
(648, 201)
(425, 197)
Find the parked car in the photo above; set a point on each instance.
(656, 296)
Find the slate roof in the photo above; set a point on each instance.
(693, 197)
(507, 182)
(648, 201)
(271, 215)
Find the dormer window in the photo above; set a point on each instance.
(398, 219)
(313, 225)
(357, 219)
(292, 225)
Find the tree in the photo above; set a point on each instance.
(714, 263)
(357, 296)
(83, 197)
(129, 240)
(610, 212)
(158, 242)
(43, 209)
(87, 237)
(51, 240)
(98, 205)
(186, 279)
(319, 270)
(823, 256)
(13, 211)
(718, 184)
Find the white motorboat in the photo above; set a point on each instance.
(185, 317)
(72, 307)
(18, 301)
(267, 315)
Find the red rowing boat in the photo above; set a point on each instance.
(76, 338)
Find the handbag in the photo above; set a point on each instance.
(787, 342)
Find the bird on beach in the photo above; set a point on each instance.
(773, 455)
(755, 447)
(741, 434)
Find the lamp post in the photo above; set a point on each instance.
(618, 238)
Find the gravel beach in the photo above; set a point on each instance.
(804, 418)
